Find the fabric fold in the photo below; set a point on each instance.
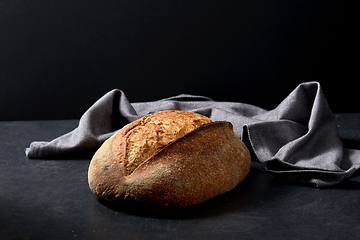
(298, 140)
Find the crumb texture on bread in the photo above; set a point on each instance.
(155, 131)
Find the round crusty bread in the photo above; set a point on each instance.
(169, 159)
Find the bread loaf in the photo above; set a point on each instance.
(169, 159)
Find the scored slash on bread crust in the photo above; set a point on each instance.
(189, 167)
(156, 130)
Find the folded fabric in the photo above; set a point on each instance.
(297, 140)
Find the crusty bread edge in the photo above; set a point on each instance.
(111, 184)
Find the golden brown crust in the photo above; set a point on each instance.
(155, 131)
(197, 166)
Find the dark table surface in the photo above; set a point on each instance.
(50, 199)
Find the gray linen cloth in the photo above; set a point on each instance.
(297, 140)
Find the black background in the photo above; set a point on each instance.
(58, 57)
